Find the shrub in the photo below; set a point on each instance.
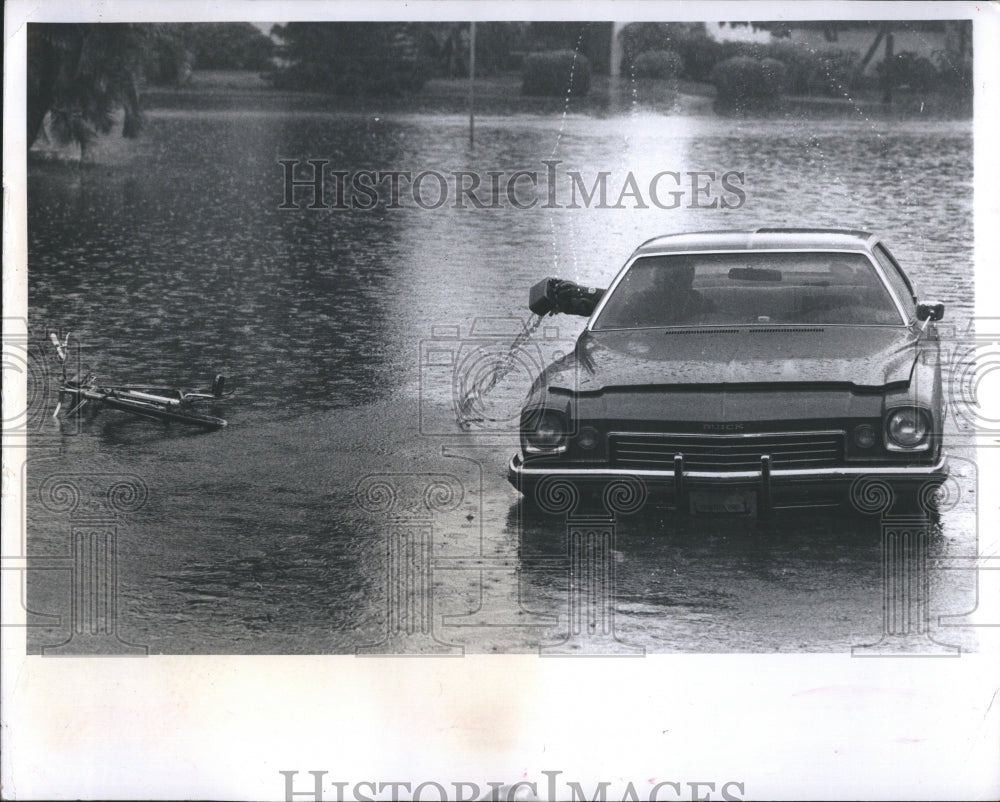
(775, 76)
(638, 38)
(744, 84)
(821, 70)
(954, 74)
(833, 71)
(555, 74)
(701, 54)
(657, 64)
(908, 70)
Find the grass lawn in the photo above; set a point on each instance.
(501, 95)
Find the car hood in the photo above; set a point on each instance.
(868, 357)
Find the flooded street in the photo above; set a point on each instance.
(344, 510)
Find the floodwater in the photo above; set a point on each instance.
(343, 509)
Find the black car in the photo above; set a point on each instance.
(742, 371)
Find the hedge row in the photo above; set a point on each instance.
(658, 64)
(555, 74)
(825, 70)
(747, 84)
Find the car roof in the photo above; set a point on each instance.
(836, 239)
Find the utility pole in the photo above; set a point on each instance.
(472, 82)
(615, 56)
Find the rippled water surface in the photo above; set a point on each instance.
(170, 260)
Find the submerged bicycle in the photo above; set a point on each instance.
(170, 405)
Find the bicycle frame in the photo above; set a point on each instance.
(149, 401)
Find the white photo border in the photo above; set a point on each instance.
(786, 727)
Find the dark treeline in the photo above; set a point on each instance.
(390, 58)
(80, 76)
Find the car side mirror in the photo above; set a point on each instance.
(542, 297)
(930, 311)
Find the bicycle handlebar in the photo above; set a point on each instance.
(60, 346)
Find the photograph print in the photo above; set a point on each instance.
(505, 337)
(416, 336)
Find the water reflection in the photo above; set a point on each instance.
(725, 584)
(799, 581)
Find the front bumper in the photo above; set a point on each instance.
(774, 488)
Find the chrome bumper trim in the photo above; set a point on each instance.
(517, 468)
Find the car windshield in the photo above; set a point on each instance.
(749, 288)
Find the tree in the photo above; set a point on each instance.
(592, 39)
(80, 75)
(446, 44)
(229, 46)
(350, 58)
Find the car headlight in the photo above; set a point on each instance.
(907, 428)
(546, 431)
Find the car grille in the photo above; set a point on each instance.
(727, 452)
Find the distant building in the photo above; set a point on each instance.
(930, 39)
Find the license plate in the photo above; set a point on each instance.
(723, 502)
